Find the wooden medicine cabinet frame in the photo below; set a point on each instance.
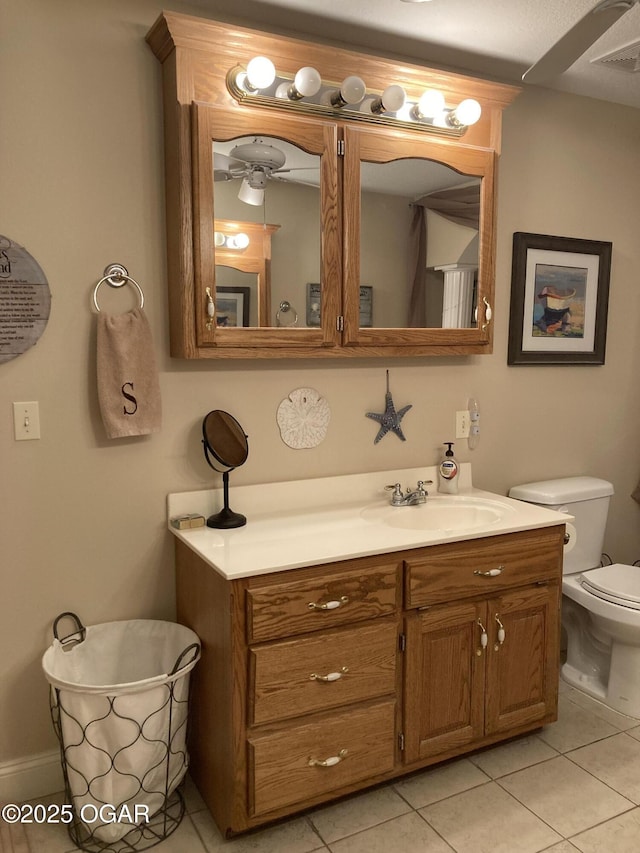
(196, 56)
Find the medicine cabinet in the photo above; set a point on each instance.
(345, 249)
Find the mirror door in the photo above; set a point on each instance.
(266, 212)
(418, 241)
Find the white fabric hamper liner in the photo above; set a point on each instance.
(121, 699)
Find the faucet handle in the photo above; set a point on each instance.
(396, 488)
(422, 484)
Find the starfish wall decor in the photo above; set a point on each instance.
(389, 420)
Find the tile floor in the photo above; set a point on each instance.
(575, 785)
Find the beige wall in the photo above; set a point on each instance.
(82, 525)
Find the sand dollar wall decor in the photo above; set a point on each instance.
(25, 300)
(303, 418)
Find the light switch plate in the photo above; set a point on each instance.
(26, 421)
(463, 424)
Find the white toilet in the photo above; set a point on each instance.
(600, 605)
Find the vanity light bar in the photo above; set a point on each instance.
(260, 83)
(239, 241)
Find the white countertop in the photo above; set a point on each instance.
(308, 522)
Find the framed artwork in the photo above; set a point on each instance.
(559, 300)
(366, 305)
(232, 306)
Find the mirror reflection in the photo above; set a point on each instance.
(236, 297)
(267, 180)
(419, 252)
(419, 244)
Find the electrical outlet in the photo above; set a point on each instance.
(26, 421)
(463, 424)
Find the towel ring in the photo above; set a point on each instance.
(285, 307)
(116, 275)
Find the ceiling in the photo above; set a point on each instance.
(497, 39)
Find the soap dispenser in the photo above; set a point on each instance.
(448, 472)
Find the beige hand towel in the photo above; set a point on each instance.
(128, 385)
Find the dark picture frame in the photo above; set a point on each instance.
(559, 300)
(232, 306)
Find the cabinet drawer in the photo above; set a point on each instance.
(285, 767)
(317, 600)
(322, 671)
(447, 572)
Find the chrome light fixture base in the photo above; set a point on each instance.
(327, 101)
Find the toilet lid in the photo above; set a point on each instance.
(617, 583)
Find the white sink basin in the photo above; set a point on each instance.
(444, 513)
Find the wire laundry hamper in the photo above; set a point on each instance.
(119, 706)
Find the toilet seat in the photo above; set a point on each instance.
(617, 583)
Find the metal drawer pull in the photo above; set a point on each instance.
(484, 639)
(501, 634)
(490, 573)
(329, 605)
(332, 676)
(328, 762)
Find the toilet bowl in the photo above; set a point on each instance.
(600, 604)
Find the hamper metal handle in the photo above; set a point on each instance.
(195, 648)
(72, 639)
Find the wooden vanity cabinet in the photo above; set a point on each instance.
(317, 682)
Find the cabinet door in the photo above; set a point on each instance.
(404, 296)
(245, 172)
(444, 679)
(522, 670)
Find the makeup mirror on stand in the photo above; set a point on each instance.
(225, 448)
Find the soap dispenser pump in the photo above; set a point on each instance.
(448, 472)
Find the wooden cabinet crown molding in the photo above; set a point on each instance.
(196, 55)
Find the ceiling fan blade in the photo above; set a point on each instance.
(226, 168)
(296, 169)
(579, 39)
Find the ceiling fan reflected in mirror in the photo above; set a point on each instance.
(255, 163)
(577, 40)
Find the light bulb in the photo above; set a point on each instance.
(352, 91)
(307, 82)
(391, 100)
(219, 239)
(241, 241)
(283, 91)
(466, 113)
(261, 73)
(430, 104)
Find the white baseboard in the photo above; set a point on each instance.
(28, 778)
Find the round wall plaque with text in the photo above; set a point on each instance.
(25, 300)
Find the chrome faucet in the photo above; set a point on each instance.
(411, 497)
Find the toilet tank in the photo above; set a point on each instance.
(587, 499)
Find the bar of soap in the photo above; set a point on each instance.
(185, 522)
